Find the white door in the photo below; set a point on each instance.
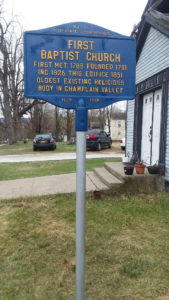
(151, 125)
(146, 128)
(156, 126)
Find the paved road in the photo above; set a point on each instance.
(56, 156)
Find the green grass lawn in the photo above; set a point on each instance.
(21, 148)
(127, 248)
(35, 169)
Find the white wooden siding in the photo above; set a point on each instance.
(154, 56)
(130, 127)
(167, 144)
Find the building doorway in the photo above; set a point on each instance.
(151, 125)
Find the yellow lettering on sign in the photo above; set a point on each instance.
(76, 65)
(70, 43)
(75, 73)
(58, 88)
(96, 74)
(112, 90)
(116, 74)
(41, 64)
(79, 45)
(43, 54)
(58, 72)
(47, 80)
(49, 56)
(66, 99)
(82, 88)
(94, 99)
(76, 81)
(106, 57)
(121, 67)
(45, 88)
(42, 72)
(99, 66)
(103, 57)
(82, 45)
(60, 65)
(85, 45)
(63, 55)
(55, 54)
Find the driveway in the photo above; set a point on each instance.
(57, 156)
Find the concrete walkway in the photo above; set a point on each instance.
(99, 179)
(56, 156)
(110, 176)
(65, 183)
(55, 184)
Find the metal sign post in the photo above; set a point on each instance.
(81, 127)
(79, 66)
(80, 213)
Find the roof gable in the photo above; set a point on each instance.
(156, 14)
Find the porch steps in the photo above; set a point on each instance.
(116, 169)
(99, 184)
(112, 176)
(106, 177)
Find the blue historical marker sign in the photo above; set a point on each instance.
(79, 65)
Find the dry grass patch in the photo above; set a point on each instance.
(127, 248)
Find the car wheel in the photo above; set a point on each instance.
(34, 149)
(123, 148)
(109, 146)
(99, 147)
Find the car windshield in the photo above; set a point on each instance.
(93, 131)
(42, 136)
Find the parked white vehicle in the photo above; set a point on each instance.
(123, 144)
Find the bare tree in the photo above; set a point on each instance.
(102, 118)
(58, 123)
(108, 118)
(116, 113)
(13, 103)
(36, 114)
(69, 123)
(113, 112)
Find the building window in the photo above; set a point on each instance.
(119, 123)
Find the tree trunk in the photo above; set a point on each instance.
(57, 128)
(102, 118)
(69, 124)
(12, 100)
(108, 110)
(10, 132)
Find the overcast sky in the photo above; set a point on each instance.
(115, 15)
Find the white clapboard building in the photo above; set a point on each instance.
(147, 126)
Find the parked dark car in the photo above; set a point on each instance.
(98, 139)
(44, 141)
